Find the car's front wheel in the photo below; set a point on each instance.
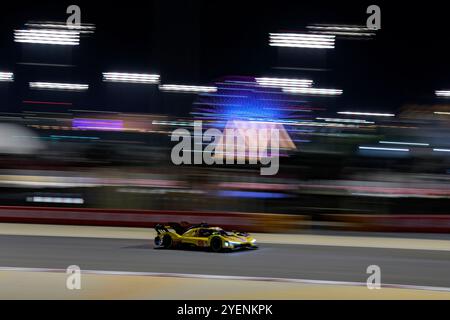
(216, 244)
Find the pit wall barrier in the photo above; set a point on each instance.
(251, 222)
(422, 223)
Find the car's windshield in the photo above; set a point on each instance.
(225, 233)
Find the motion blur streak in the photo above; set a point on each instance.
(58, 86)
(345, 31)
(82, 28)
(384, 149)
(130, 77)
(367, 114)
(443, 93)
(282, 83)
(298, 40)
(317, 91)
(6, 76)
(187, 88)
(47, 36)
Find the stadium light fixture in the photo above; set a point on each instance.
(442, 93)
(58, 86)
(82, 28)
(6, 76)
(131, 77)
(186, 88)
(313, 91)
(284, 83)
(341, 30)
(302, 40)
(47, 36)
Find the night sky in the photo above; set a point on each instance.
(195, 42)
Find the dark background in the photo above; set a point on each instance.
(195, 42)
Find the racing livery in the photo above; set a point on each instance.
(175, 235)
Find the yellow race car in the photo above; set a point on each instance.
(175, 235)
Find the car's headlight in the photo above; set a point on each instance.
(226, 244)
(253, 241)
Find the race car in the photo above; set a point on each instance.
(176, 235)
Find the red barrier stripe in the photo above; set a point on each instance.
(146, 218)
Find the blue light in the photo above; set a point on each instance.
(241, 98)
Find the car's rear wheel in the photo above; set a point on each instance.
(216, 244)
(167, 242)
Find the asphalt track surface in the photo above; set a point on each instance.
(332, 263)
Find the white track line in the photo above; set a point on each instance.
(223, 277)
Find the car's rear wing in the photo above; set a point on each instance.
(171, 225)
(160, 228)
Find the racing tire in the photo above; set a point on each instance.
(216, 244)
(158, 241)
(167, 242)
